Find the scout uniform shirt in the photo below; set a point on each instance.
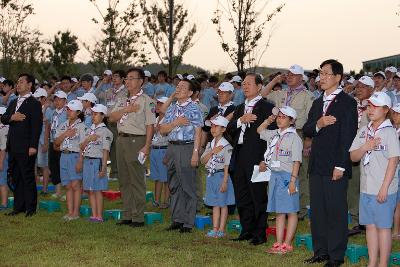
(286, 149)
(218, 161)
(113, 95)
(95, 149)
(363, 119)
(299, 99)
(136, 122)
(56, 118)
(374, 163)
(71, 143)
(3, 136)
(159, 139)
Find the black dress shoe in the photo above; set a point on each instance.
(359, 227)
(333, 263)
(174, 226)
(136, 224)
(185, 230)
(257, 241)
(13, 213)
(317, 259)
(352, 232)
(243, 237)
(124, 222)
(30, 213)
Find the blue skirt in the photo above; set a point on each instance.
(158, 171)
(42, 158)
(67, 168)
(279, 200)
(91, 179)
(3, 172)
(214, 197)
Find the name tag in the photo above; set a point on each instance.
(284, 153)
(380, 148)
(275, 164)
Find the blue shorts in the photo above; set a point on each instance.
(42, 158)
(3, 172)
(214, 197)
(67, 168)
(279, 200)
(91, 179)
(158, 171)
(379, 214)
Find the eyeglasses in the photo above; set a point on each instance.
(131, 79)
(321, 74)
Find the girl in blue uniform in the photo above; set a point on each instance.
(3, 163)
(67, 138)
(396, 221)
(95, 146)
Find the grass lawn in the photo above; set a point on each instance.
(45, 240)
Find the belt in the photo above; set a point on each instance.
(69, 152)
(216, 171)
(87, 157)
(129, 135)
(159, 147)
(179, 143)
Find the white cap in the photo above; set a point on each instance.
(305, 78)
(147, 73)
(39, 93)
(226, 87)
(296, 69)
(60, 94)
(397, 74)
(99, 108)
(380, 73)
(89, 97)
(2, 79)
(236, 79)
(379, 99)
(36, 81)
(391, 69)
(367, 81)
(2, 110)
(108, 72)
(351, 80)
(75, 105)
(396, 108)
(220, 121)
(190, 77)
(317, 79)
(75, 80)
(162, 99)
(180, 77)
(95, 79)
(286, 110)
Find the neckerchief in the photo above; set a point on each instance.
(248, 108)
(128, 102)
(371, 134)
(329, 99)
(270, 150)
(93, 129)
(213, 161)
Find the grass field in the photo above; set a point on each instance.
(45, 240)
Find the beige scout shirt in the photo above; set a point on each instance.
(222, 158)
(71, 144)
(373, 174)
(301, 102)
(136, 122)
(287, 150)
(95, 149)
(3, 136)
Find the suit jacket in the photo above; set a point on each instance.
(24, 134)
(253, 148)
(330, 146)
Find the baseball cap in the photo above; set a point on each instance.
(2, 110)
(367, 81)
(379, 99)
(380, 73)
(95, 79)
(296, 69)
(351, 80)
(179, 76)
(286, 110)
(99, 108)
(147, 73)
(2, 79)
(397, 74)
(75, 80)
(236, 79)
(305, 78)
(220, 121)
(391, 69)
(107, 72)
(190, 77)
(39, 93)
(226, 87)
(75, 105)
(396, 108)
(88, 97)
(317, 79)
(60, 94)
(162, 99)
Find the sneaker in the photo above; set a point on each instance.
(275, 249)
(220, 234)
(285, 248)
(73, 218)
(155, 204)
(66, 217)
(212, 233)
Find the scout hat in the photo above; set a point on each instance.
(286, 110)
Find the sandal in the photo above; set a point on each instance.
(285, 248)
(275, 249)
(220, 234)
(211, 233)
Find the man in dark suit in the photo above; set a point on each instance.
(332, 123)
(24, 115)
(249, 149)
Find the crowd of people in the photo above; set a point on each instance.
(319, 142)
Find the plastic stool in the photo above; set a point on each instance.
(112, 195)
(115, 214)
(50, 188)
(394, 258)
(234, 225)
(85, 210)
(149, 196)
(272, 231)
(355, 252)
(151, 217)
(50, 206)
(10, 202)
(304, 239)
(202, 221)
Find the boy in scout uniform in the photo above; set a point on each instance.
(135, 117)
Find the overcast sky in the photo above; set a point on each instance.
(306, 31)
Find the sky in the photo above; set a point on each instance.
(306, 32)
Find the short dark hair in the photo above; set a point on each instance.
(257, 77)
(191, 84)
(139, 71)
(337, 67)
(213, 79)
(121, 73)
(66, 77)
(163, 73)
(9, 83)
(29, 78)
(196, 86)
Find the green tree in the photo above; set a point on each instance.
(120, 43)
(248, 18)
(63, 50)
(156, 29)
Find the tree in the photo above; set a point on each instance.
(248, 18)
(63, 50)
(121, 43)
(156, 29)
(20, 47)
